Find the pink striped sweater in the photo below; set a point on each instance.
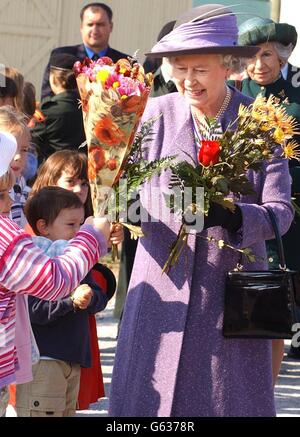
(26, 269)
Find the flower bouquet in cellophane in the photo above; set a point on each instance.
(113, 98)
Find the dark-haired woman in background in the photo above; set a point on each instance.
(63, 126)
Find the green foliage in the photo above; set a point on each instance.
(137, 170)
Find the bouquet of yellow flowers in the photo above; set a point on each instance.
(257, 134)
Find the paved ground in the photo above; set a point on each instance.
(287, 390)
(107, 328)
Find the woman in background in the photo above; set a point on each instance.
(276, 42)
(62, 128)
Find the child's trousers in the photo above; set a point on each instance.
(4, 397)
(53, 391)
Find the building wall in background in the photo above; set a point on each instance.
(30, 29)
(289, 13)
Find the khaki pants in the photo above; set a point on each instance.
(4, 398)
(53, 391)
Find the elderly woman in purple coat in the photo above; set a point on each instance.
(172, 359)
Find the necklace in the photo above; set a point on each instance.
(225, 103)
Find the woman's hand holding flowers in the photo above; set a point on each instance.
(227, 219)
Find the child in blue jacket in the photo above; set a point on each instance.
(61, 328)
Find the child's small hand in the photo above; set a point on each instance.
(100, 224)
(117, 234)
(82, 296)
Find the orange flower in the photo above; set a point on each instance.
(134, 104)
(109, 133)
(96, 161)
(112, 164)
(123, 66)
(131, 104)
(85, 106)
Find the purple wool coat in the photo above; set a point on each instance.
(171, 358)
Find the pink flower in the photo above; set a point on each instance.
(114, 78)
(128, 87)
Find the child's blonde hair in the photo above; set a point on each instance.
(18, 78)
(7, 180)
(12, 121)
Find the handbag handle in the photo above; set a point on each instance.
(278, 238)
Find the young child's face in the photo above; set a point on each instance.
(71, 183)
(5, 202)
(66, 225)
(19, 162)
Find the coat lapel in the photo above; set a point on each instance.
(81, 53)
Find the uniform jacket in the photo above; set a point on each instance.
(160, 87)
(63, 125)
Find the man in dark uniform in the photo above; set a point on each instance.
(163, 83)
(265, 78)
(96, 28)
(63, 125)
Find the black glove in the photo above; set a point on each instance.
(219, 216)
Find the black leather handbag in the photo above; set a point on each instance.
(261, 304)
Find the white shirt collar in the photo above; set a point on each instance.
(165, 74)
(284, 71)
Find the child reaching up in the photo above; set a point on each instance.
(25, 269)
(61, 328)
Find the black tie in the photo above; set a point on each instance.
(95, 57)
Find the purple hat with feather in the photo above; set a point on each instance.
(203, 30)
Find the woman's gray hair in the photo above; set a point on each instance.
(283, 52)
(234, 64)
